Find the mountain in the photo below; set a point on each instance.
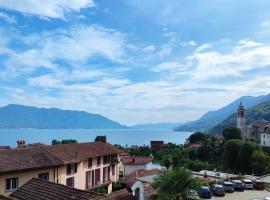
(19, 116)
(261, 111)
(213, 118)
(157, 126)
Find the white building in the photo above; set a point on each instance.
(132, 164)
(265, 137)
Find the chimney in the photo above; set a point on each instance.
(20, 143)
(133, 159)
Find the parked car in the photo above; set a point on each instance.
(191, 195)
(228, 186)
(218, 190)
(248, 184)
(205, 192)
(238, 185)
(258, 185)
(266, 198)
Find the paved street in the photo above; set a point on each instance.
(246, 195)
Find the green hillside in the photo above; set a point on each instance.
(261, 111)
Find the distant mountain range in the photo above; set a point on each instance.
(19, 116)
(157, 126)
(213, 118)
(261, 111)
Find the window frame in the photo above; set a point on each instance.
(42, 174)
(71, 168)
(73, 182)
(11, 184)
(90, 160)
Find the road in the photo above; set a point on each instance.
(246, 195)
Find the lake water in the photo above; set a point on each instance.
(123, 136)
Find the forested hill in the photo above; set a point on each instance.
(261, 111)
(19, 116)
(213, 118)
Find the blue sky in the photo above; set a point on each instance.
(134, 61)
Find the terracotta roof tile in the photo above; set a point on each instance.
(132, 178)
(25, 159)
(136, 160)
(77, 152)
(37, 189)
(123, 194)
(4, 198)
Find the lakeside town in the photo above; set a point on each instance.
(235, 165)
(134, 100)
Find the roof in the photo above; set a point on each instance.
(149, 190)
(37, 189)
(25, 159)
(131, 178)
(41, 156)
(123, 194)
(196, 145)
(81, 151)
(4, 198)
(136, 160)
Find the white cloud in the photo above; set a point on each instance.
(149, 48)
(265, 24)
(203, 47)
(169, 66)
(74, 46)
(48, 8)
(9, 18)
(188, 43)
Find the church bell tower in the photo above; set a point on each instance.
(241, 119)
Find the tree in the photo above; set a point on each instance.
(172, 184)
(245, 154)
(260, 162)
(197, 137)
(231, 133)
(232, 148)
(167, 162)
(68, 141)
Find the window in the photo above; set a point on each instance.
(90, 179)
(90, 163)
(106, 174)
(106, 159)
(72, 168)
(98, 161)
(97, 177)
(113, 170)
(44, 176)
(70, 182)
(12, 184)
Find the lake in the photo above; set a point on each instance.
(114, 136)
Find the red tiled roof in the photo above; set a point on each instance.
(136, 160)
(132, 178)
(19, 159)
(37, 189)
(78, 152)
(123, 194)
(4, 198)
(25, 159)
(149, 190)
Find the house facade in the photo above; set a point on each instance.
(83, 166)
(134, 163)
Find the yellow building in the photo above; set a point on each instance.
(83, 166)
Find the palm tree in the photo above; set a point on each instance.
(172, 184)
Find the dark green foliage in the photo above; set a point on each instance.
(232, 148)
(197, 137)
(260, 163)
(172, 184)
(68, 141)
(232, 133)
(245, 154)
(167, 161)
